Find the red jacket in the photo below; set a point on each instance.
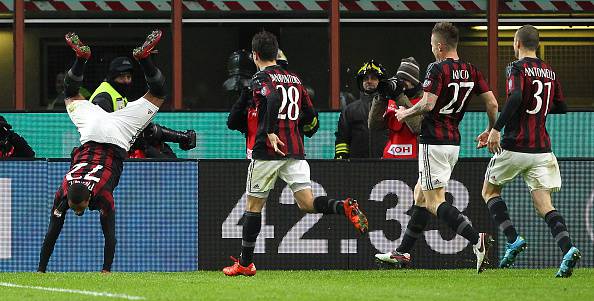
(402, 142)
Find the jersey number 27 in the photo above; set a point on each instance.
(449, 108)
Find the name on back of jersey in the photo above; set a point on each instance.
(460, 74)
(540, 72)
(285, 78)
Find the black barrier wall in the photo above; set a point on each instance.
(292, 240)
(186, 216)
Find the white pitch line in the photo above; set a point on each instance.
(62, 290)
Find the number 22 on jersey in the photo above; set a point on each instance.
(89, 176)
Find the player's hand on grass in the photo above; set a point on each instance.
(276, 143)
(482, 139)
(493, 142)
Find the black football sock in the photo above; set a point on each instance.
(148, 67)
(78, 68)
(325, 205)
(252, 222)
(457, 222)
(74, 77)
(498, 210)
(416, 225)
(559, 230)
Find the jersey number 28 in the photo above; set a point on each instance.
(292, 96)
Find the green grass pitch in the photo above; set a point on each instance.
(514, 284)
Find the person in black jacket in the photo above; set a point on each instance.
(11, 144)
(353, 137)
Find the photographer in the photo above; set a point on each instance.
(240, 69)
(151, 142)
(11, 144)
(111, 96)
(243, 116)
(403, 90)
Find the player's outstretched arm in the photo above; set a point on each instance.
(74, 76)
(53, 231)
(426, 104)
(491, 108)
(414, 122)
(108, 228)
(154, 78)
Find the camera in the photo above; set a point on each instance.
(391, 87)
(155, 134)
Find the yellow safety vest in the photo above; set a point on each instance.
(119, 102)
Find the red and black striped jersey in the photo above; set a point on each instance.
(452, 81)
(540, 88)
(99, 167)
(283, 104)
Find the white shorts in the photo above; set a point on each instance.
(120, 127)
(262, 175)
(436, 163)
(540, 170)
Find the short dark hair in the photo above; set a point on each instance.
(78, 192)
(447, 32)
(265, 45)
(528, 35)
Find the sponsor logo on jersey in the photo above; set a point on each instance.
(426, 83)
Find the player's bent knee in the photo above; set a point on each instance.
(541, 199)
(256, 203)
(304, 197)
(490, 191)
(543, 210)
(420, 200)
(433, 205)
